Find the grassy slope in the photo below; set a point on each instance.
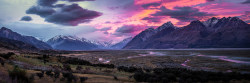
(96, 76)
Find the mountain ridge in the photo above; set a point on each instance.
(7, 33)
(213, 33)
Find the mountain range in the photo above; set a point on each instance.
(74, 43)
(229, 32)
(71, 43)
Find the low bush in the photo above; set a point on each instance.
(49, 73)
(70, 77)
(67, 67)
(83, 79)
(129, 69)
(19, 75)
(185, 75)
(8, 55)
(2, 61)
(40, 75)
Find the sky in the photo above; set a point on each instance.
(110, 20)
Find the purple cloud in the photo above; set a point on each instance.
(146, 6)
(26, 18)
(72, 15)
(152, 19)
(184, 14)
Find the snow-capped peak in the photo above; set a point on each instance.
(211, 22)
(66, 37)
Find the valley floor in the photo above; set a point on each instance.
(107, 66)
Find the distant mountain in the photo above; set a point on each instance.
(71, 43)
(137, 41)
(121, 44)
(102, 45)
(228, 32)
(16, 45)
(7, 33)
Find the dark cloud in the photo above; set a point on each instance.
(107, 22)
(59, 5)
(210, 0)
(152, 19)
(184, 14)
(246, 2)
(105, 32)
(77, 0)
(129, 30)
(146, 6)
(46, 2)
(246, 17)
(105, 29)
(72, 15)
(26, 18)
(41, 11)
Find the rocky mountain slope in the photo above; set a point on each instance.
(229, 32)
(9, 34)
(121, 44)
(16, 45)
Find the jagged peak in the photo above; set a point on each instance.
(4, 28)
(169, 23)
(211, 22)
(196, 22)
(66, 37)
(166, 25)
(150, 29)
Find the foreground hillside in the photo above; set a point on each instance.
(229, 32)
(123, 66)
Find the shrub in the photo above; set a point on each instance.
(67, 67)
(49, 73)
(79, 68)
(129, 69)
(115, 78)
(19, 75)
(70, 77)
(40, 75)
(76, 61)
(8, 55)
(57, 74)
(83, 79)
(185, 75)
(2, 61)
(104, 65)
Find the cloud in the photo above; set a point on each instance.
(77, 0)
(146, 6)
(129, 30)
(62, 14)
(46, 2)
(41, 11)
(72, 15)
(26, 18)
(210, 0)
(246, 17)
(246, 2)
(184, 14)
(152, 19)
(105, 29)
